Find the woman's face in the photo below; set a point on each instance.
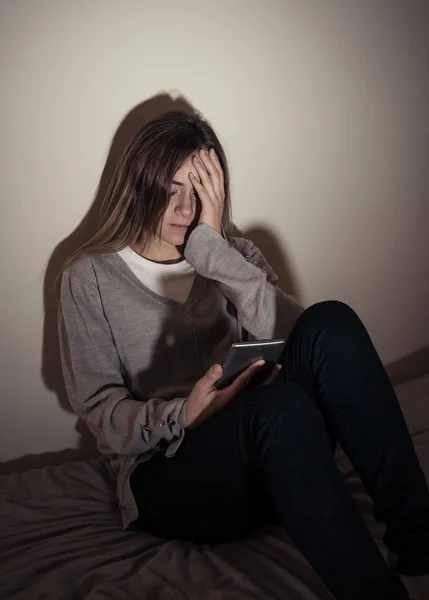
(180, 217)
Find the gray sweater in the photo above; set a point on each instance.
(130, 357)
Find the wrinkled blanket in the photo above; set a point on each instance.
(61, 538)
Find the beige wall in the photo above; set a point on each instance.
(323, 108)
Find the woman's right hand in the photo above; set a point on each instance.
(205, 399)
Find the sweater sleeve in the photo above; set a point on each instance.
(263, 309)
(93, 376)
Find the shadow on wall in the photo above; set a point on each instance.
(86, 449)
(271, 248)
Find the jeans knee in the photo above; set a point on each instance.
(332, 310)
(332, 317)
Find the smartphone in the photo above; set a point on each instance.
(242, 354)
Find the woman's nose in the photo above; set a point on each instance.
(186, 206)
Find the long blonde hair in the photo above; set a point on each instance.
(137, 196)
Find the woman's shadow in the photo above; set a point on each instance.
(272, 249)
(51, 364)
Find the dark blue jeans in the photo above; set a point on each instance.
(269, 453)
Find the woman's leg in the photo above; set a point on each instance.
(277, 435)
(330, 354)
(203, 493)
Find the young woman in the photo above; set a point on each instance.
(149, 308)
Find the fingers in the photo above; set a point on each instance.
(243, 379)
(215, 159)
(201, 190)
(207, 382)
(220, 177)
(210, 172)
(272, 376)
(213, 166)
(204, 174)
(206, 157)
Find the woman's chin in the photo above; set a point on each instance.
(177, 240)
(177, 237)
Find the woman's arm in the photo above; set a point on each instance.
(247, 281)
(94, 381)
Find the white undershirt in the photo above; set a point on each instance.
(169, 281)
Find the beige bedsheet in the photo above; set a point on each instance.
(61, 538)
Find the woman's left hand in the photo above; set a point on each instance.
(210, 188)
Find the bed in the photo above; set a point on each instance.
(61, 538)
